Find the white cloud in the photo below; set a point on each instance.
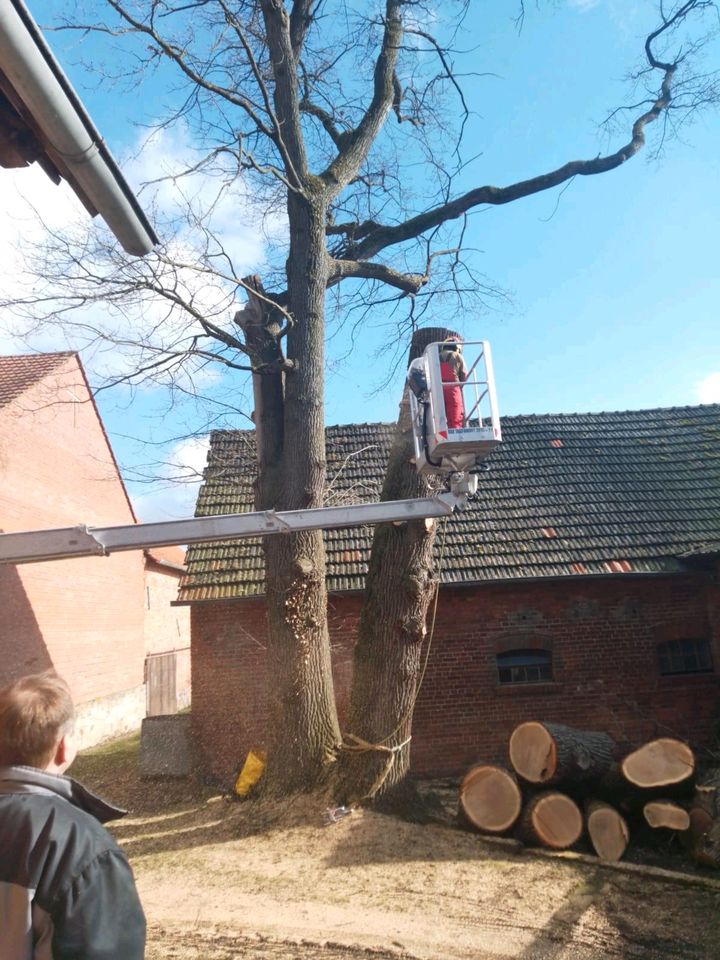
(190, 455)
(31, 205)
(708, 389)
(174, 498)
(583, 4)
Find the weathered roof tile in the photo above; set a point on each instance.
(626, 493)
(19, 373)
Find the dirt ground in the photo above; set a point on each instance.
(222, 880)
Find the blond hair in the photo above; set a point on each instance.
(35, 713)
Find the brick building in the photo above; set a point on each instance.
(580, 587)
(88, 617)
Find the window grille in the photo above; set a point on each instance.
(525, 666)
(685, 656)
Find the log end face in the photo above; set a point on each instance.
(608, 833)
(532, 752)
(664, 813)
(557, 821)
(659, 763)
(490, 799)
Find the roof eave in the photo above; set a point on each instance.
(474, 584)
(68, 133)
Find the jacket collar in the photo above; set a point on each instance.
(15, 780)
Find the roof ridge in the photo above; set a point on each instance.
(47, 354)
(517, 417)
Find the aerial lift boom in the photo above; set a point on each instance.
(451, 452)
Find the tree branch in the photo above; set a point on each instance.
(301, 16)
(172, 53)
(338, 137)
(408, 282)
(359, 141)
(386, 236)
(287, 107)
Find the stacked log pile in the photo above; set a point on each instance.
(566, 783)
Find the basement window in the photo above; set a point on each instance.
(525, 666)
(685, 656)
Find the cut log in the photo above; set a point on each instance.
(659, 763)
(549, 753)
(665, 813)
(608, 830)
(702, 837)
(551, 819)
(490, 799)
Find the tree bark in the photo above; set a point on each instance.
(388, 655)
(702, 838)
(304, 726)
(550, 753)
(261, 326)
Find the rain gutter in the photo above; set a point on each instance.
(47, 94)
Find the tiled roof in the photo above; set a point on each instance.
(566, 495)
(18, 374)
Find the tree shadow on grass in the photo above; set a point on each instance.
(623, 927)
(632, 916)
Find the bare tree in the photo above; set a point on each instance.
(317, 107)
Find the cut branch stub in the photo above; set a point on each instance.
(546, 753)
(665, 813)
(608, 830)
(490, 799)
(552, 820)
(659, 763)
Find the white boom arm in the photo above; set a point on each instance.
(459, 449)
(32, 546)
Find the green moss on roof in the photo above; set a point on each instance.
(628, 492)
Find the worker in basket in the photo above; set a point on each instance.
(453, 371)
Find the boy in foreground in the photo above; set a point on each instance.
(66, 888)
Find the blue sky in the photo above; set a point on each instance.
(615, 284)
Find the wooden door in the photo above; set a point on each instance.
(161, 684)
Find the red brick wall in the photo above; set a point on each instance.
(85, 617)
(602, 634)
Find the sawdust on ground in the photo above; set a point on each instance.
(221, 879)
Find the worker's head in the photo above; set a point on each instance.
(450, 349)
(37, 720)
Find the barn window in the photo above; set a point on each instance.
(685, 656)
(524, 666)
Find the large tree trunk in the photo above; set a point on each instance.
(304, 726)
(389, 651)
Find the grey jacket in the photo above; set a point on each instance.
(66, 889)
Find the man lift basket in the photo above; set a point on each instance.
(456, 442)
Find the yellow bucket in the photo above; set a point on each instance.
(252, 770)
